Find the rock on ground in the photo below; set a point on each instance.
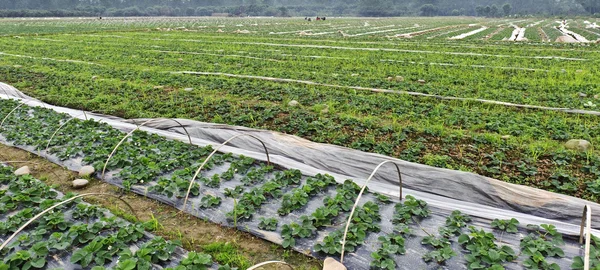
(86, 171)
(293, 103)
(22, 171)
(566, 39)
(332, 264)
(578, 145)
(80, 183)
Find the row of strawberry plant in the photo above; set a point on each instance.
(405, 213)
(323, 216)
(251, 201)
(86, 234)
(528, 163)
(141, 159)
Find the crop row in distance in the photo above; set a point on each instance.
(357, 29)
(457, 135)
(256, 26)
(529, 75)
(144, 157)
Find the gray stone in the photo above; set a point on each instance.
(86, 171)
(506, 137)
(80, 183)
(94, 77)
(293, 103)
(22, 171)
(582, 94)
(421, 81)
(332, 264)
(578, 145)
(188, 89)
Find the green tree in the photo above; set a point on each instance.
(479, 10)
(591, 6)
(283, 12)
(487, 10)
(494, 11)
(506, 8)
(428, 10)
(374, 8)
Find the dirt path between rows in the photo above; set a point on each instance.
(543, 35)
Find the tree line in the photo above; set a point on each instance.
(375, 8)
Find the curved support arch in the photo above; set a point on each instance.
(80, 107)
(58, 129)
(131, 133)
(586, 220)
(12, 111)
(257, 266)
(213, 152)
(59, 204)
(360, 195)
(174, 120)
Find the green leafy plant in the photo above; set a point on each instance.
(35, 257)
(578, 263)
(442, 249)
(542, 242)
(83, 211)
(209, 201)
(411, 207)
(269, 224)
(506, 225)
(365, 219)
(484, 253)
(390, 245)
(454, 224)
(299, 196)
(383, 198)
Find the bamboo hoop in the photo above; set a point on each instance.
(360, 195)
(586, 219)
(58, 129)
(9, 113)
(213, 152)
(257, 266)
(131, 133)
(59, 204)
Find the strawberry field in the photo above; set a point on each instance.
(494, 97)
(77, 234)
(306, 213)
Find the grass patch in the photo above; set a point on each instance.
(227, 254)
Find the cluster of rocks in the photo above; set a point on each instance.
(81, 182)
